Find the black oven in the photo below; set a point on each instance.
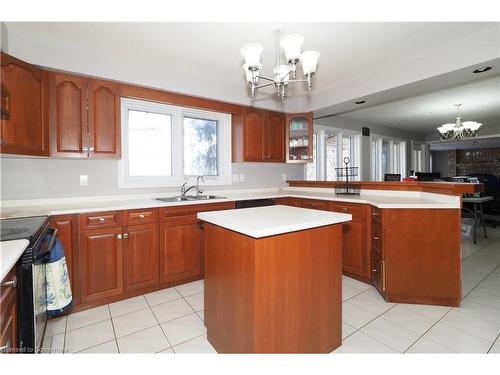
(31, 279)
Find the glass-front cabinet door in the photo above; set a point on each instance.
(299, 138)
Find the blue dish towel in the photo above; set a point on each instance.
(59, 295)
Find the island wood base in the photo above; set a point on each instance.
(277, 294)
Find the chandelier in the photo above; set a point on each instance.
(292, 45)
(459, 130)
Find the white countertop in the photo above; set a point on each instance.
(378, 198)
(267, 221)
(10, 252)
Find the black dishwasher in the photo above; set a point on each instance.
(255, 203)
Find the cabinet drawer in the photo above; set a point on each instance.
(142, 216)
(356, 210)
(316, 204)
(193, 209)
(100, 220)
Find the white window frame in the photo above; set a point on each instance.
(177, 178)
(321, 132)
(378, 140)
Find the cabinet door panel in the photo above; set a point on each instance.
(68, 115)
(299, 137)
(253, 128)
(24, 112)
(274, 137)
(104, 118)
(67, 227)
(141, 256)
(353, 247)
(101, 262)
(180, 248)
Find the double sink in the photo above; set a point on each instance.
(180, 198)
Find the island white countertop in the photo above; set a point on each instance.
(10, 252)
(75, 205)
(267, 221)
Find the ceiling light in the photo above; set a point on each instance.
(482, 70)
(459, 130)
(283, 73)
(360, 102)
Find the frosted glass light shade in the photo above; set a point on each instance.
(441, 130)
(472, 125)
(309, 60)
(281, 73)
(448, 127)
(248, 73)
(292, 45)
(251, 52)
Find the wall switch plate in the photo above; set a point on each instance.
(84, 180)
(236, 178)
(242, 177)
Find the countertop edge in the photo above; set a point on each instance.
(10, 252)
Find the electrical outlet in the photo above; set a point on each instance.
(236, 178)
(242, 177)
(283, 177)
(84, 180)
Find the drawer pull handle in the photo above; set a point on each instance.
(374, 270)
(12, 283)
(101, 220)
(141, 217)
(376, 238)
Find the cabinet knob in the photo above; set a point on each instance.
(125, 235)
(375, 213)
(376, 238)
(141, 217)
(374, 270)
(91, 149)
(85, 148)
(101, 220)
(344, 209)
(119, 236)
(12, 283)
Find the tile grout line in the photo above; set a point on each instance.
(159, 324)
(113, 327)
(494, 342)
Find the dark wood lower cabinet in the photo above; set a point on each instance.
(180, 248)
(8, 315)
(141, 256)
(101, 264)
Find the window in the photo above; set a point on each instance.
(330, 148)
(388, 155)
(152, 156)
(311, 170)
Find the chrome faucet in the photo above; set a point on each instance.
(199, 191)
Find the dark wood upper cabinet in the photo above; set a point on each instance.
(259, 136)
(24, 108)
(68, 115)
(104, 119)
(273, 136)
(84, 117)
(299, 138)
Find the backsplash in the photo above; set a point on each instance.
(482, 160)
(32, 178)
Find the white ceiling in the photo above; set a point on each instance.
(423, 113)
(203, 58)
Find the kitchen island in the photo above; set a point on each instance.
(273, 279)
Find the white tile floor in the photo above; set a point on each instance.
(171, 320)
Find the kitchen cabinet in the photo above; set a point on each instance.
(141, 256)
(355, 250)
(101, 263)
(24, 118)
(67, 232)
(316, 204)
(299, 138)
(259, 136)
(8, 313)
(84, 117)
(180, 248)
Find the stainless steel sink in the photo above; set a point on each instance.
(189, 198)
